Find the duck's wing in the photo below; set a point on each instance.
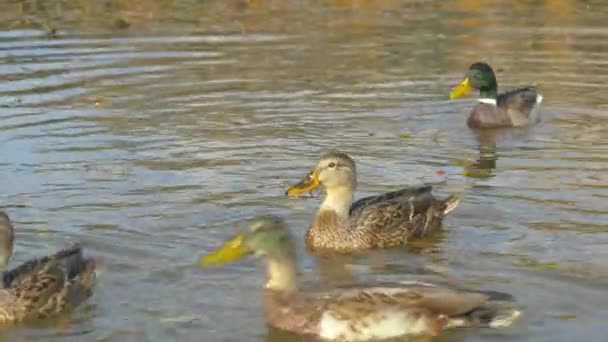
(437, 299)
(393, 311)
(51, 284)
(396, 214)
(463, 307)
(522, 100)
(421, 196)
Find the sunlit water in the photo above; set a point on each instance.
(150, 144)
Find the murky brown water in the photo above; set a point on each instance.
(149, 129)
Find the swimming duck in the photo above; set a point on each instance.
(380, 221)
(356, 313)
(519, 107)
(41, 287)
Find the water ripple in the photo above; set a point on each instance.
(151, 146)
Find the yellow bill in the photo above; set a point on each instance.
(462, 89)
(232, 250)
(308, 184)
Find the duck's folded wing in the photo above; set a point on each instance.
(439, 300)
(70, 259)
(395, 213)
(52, 284)
(37, 294)
(393, 310)
(421, 196)
(522, 100)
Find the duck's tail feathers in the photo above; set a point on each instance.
(450, 203)
(81, 276)
(79, 269)
(81, 285)
(539, 98)
(495, 313)
(76, 264)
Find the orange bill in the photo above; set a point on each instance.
(306, 185)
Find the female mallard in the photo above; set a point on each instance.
(515, 108)
(42, 287)
(386, 220)
(359, 313)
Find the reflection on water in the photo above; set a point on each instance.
(486, 162)
(148, 130)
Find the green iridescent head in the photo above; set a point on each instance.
(480, 76)
(266, 236)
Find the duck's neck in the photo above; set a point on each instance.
(338, 200)
(489, 92)
(282, 275)
(4, 258)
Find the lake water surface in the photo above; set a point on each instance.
(149, 130)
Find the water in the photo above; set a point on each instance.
(150, 131)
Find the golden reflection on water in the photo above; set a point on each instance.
(147, 129)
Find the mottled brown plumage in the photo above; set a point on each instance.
(386, 311)
(358, 313)
(514, 108)
(43, 287)
(386, 220)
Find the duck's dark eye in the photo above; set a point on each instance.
(331, 165)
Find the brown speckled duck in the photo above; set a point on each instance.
(356, 313)
(42, 287)
(381, 221)
(519, 107)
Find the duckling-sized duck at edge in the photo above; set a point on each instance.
(519, 107)
(356, 313)
(381, 221)
(42, 287)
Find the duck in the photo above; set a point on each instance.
(43, 287)
(515, 108)
(381, 221)
(355, 312)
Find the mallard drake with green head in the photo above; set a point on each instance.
(519, 107)
(42, 287)
(356, 313)
(381, 221)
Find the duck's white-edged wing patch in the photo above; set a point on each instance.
(488, 101)
(503, 321)
(534, 115)
(412, 283)
(382, 324)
